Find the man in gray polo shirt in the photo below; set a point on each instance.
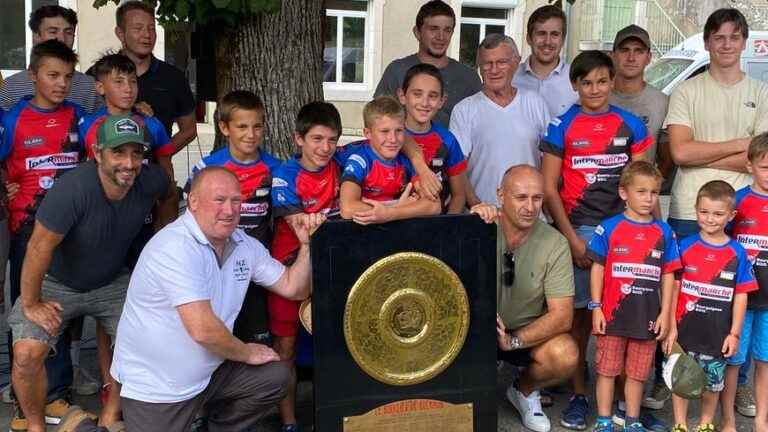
(52, 22)
(435, 24)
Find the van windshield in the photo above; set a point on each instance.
(661, 73)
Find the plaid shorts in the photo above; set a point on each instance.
(617, 353)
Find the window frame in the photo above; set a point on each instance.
(358, 92)
(483, 23)
(72, 4)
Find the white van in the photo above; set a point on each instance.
(689, 59)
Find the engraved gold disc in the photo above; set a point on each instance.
(406, 318)
(305, 314)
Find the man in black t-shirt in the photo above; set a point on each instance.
(74, 264)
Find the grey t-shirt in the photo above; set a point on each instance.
(650, 105)
(460, 82)
(83, 91)
(97, 232)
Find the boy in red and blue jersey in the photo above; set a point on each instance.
(40, 141)
(422, 96)
(584, 151)
(712, 299)
(242, 116)
(634, 258)
(377, 175)
(750, 229)
(308, 183)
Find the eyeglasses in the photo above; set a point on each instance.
(500, 64)
(509, 273)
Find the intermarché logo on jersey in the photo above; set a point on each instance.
(53, 161)
(636, 271)
(600, 161)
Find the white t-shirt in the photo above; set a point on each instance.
(715, 113)
(155, 359)
(495, 138)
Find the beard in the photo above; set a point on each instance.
(120, 181)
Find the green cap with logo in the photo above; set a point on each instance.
(117, 130)
(683, 374)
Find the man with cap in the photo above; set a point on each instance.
(74, 264)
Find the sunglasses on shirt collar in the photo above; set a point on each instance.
(509, 273)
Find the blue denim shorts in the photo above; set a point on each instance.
(754, 338)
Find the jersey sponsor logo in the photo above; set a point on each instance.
(747, 222)
(626, 289)
(309, 203)
(636, 271)
(52, 123)
(32, 142)
(581, 143)
(640, 236)
(437, 162)
(359, 160)
(53, 161)
(254, 209)
(74, 137)
(599, 161)
(598, 127)
(655, 253)
(753, 242)
(621, 250)
(45, 182)
(691, 269)
(707, 291)
(278, 182)
(726, 275)
(261, 192)
(620, 141)
(690, 305)
(591, 178)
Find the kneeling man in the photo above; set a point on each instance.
(534, 294)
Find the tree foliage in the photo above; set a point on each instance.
(204, 12)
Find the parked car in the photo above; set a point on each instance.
(689, 59)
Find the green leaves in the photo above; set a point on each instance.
(206, 11)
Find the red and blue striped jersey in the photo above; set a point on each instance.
(594, 149)
(378, 178)
(710, 277)
(442, 154)
(38, 146)
(154, 133)
(255, 187)
(295, 190)
(750, 229)
(635, 256)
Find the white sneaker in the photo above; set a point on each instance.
(529, 409)
(84, 384)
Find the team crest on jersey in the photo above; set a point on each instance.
(437, 162)
(591, 178)
(261, 192)
(626, 289)
(126, 126)
(620, 141)
(53, 161)
(278, 182)
(726, 275)
(45, 182)
(640, 236)
(52, 123)
(599, 127)
(690, 305)
(655, 253)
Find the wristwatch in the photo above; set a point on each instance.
(515, 342)
(593, 305)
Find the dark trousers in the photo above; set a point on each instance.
(237, 396)
(59, 365)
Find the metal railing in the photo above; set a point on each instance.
(601, 19)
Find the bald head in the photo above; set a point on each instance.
(211, 175)
(521, 196)
(520, 172)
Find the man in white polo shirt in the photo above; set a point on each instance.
(175, 352)
(499, 126)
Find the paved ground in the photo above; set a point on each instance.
(508, 418)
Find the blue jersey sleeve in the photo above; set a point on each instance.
(553, 141)
(356, 168)
(671, 260)
(456, 162)
(409, 170)
(344, 152)
(6, 132)
(597, 249)
(161, 142)
(285, 200)
(745, 275)
(272, 162)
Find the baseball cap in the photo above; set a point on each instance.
(117, 130)
(683, 374)
(632, 31)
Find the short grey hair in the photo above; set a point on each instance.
(493, 40)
